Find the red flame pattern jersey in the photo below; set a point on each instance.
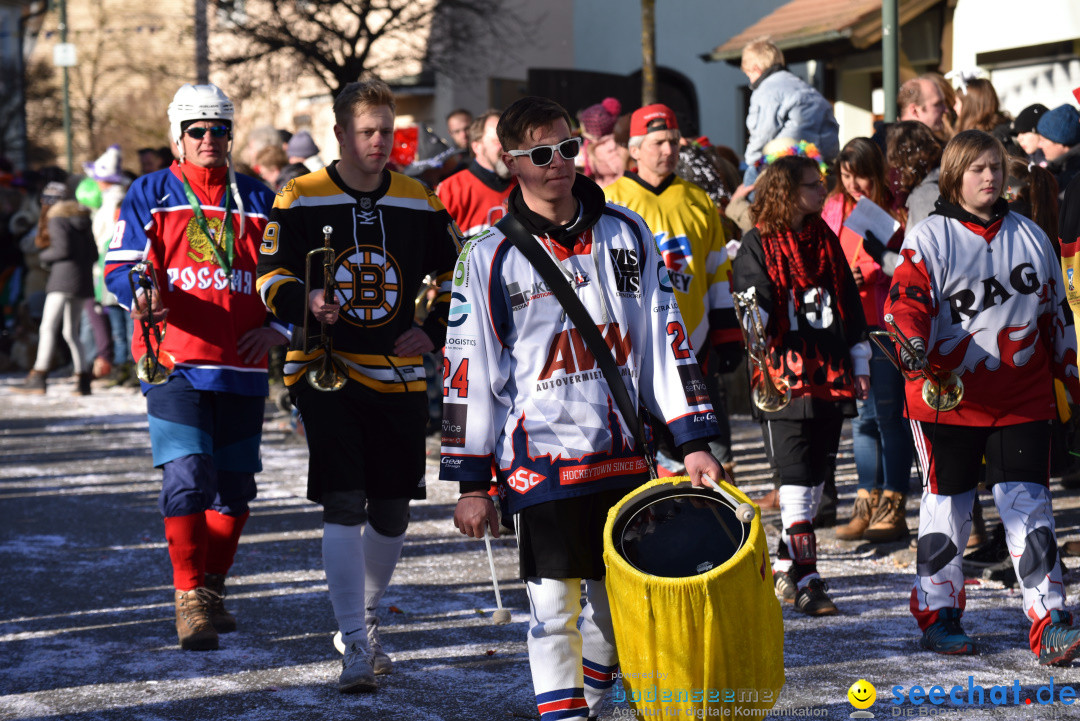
(823, 347)
(208, 313)
(524, 393)
(990, 303)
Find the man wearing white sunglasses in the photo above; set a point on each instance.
(523, 392)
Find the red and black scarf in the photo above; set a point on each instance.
(798, 261)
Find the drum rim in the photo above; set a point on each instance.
(666, 486)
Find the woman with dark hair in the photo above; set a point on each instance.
(979, 293)
(1032, 191)
(816, 333)
(881, 442)
(914, 155)
(67, 247)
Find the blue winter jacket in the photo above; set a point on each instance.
(782, 105)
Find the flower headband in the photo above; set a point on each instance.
(803, 148)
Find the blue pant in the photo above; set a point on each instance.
(122, 327)
(207, 445)
(881, 436)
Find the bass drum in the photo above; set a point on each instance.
(697, 623)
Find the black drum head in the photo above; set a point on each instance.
(676, 531)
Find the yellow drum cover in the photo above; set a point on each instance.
(702, 643)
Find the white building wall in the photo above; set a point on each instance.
(607, 38)
(981, 26)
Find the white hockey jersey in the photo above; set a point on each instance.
(990, 303)
(524, 394)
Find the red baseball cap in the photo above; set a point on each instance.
(652, 118)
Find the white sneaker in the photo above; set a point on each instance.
(356, 674)
(381, 662)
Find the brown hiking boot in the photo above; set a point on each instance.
(33, 385)
(220, 618)
(866, 502)
(769, 501)
(889, 522)
(193, 622)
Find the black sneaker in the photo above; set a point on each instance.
(1060, 640)
(785, 586)
(813, 600)
(1003, 572)
(993, 551)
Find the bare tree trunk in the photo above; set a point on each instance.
(648, 52)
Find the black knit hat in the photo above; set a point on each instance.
(1028, 118)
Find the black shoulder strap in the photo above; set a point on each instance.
(524, 241)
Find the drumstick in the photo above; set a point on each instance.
(500, 616)
(743, 511)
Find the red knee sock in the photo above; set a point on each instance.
(224, 536)
(187, 539)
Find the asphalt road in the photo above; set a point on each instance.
(86, 628)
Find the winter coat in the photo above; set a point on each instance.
(71, 253)
(1065, 168)
(920, 202)
(783, 106)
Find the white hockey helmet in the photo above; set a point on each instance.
(197, 102)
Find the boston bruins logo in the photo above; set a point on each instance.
(198, 244)
(369, 283)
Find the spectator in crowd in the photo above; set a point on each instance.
(107, 172)
(302, 149)
(605, 159)
(1060, 143)
(476, 197)
(67, 247)
(882, 444)
(268, 164)
(1026, 134)
(977, 108)
(783, 105)
(154, 159)
(921, 99)
(914, 155)
(457, 127)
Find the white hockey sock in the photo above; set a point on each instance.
(381, 554)
(944, 527)
(1026, 511)
(554, 646)
(343, 561)
(599, 659)
(798, 504)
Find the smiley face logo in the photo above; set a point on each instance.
(862, 694)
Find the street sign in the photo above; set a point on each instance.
(64, 55)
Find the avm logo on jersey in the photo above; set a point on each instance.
(569, 353)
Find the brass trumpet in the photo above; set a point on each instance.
(941, 390)
(771, 394)
(329, 375)
(155, 365)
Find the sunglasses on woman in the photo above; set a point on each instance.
(542, 155)
(216, 131)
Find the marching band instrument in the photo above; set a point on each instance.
(771, 394)
(688, 580)
(941, 390)
(155, 365)
(329, 375)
